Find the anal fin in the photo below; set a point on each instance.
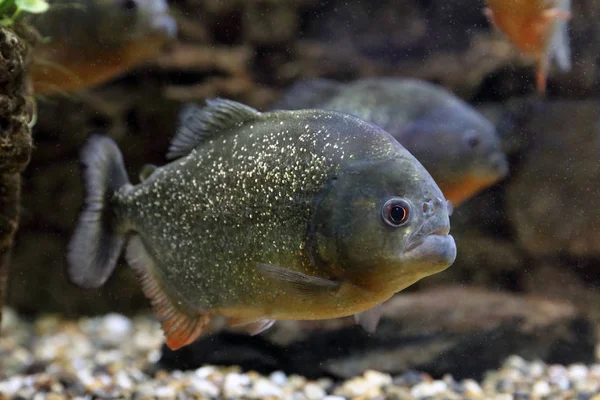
(180, 327)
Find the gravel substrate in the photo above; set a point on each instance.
(113, 357)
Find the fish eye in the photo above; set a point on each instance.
(129, 5)
(395, 212)
(473, 141)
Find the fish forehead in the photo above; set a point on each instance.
(409, 176)
(393, 104)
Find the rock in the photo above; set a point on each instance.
(549, 199)
(456, 330)
(15, 144)
(313, 391)
(576, 286)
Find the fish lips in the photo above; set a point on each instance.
(432, 253)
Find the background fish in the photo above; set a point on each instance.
(86, 42)
(264, 216)
(456, 144)
(536, 27)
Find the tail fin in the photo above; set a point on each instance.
(96, 245)
(559, 46)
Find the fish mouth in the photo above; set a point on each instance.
(432, 253)
(441, 231)
(166, 25)
(498, 165)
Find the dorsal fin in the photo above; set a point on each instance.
(198, 124)
(146, 171)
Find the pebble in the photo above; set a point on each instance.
(205, 372)
(264, 388)
(377, 378)
(236, 385)
(165, 392)
(115, 328)
(577, 372)
(429, 389)
(205, 388)
(541, 389)
(353, 388)
(279, 378)
(111, 356)
(313, 391)
(472, 389)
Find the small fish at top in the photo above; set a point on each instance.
(535, 27)
(458, 146)
(261, 217)
(87, 42)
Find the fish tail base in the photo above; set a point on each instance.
(180, 328)
(96, 244)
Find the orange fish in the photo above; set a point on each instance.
(87, 42)
(535, 27)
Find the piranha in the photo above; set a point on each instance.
(457, 145)
(535, 27)
(289, 215)
(87, 42)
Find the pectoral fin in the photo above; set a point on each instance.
(369, 319)
(297, 281)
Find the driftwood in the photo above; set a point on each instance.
(15, 144)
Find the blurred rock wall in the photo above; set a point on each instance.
(535, 232)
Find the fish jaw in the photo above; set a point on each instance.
(460, 191)
(424, 255)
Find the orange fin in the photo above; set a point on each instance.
(541, 80)
(180, 327)
(489, 14)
